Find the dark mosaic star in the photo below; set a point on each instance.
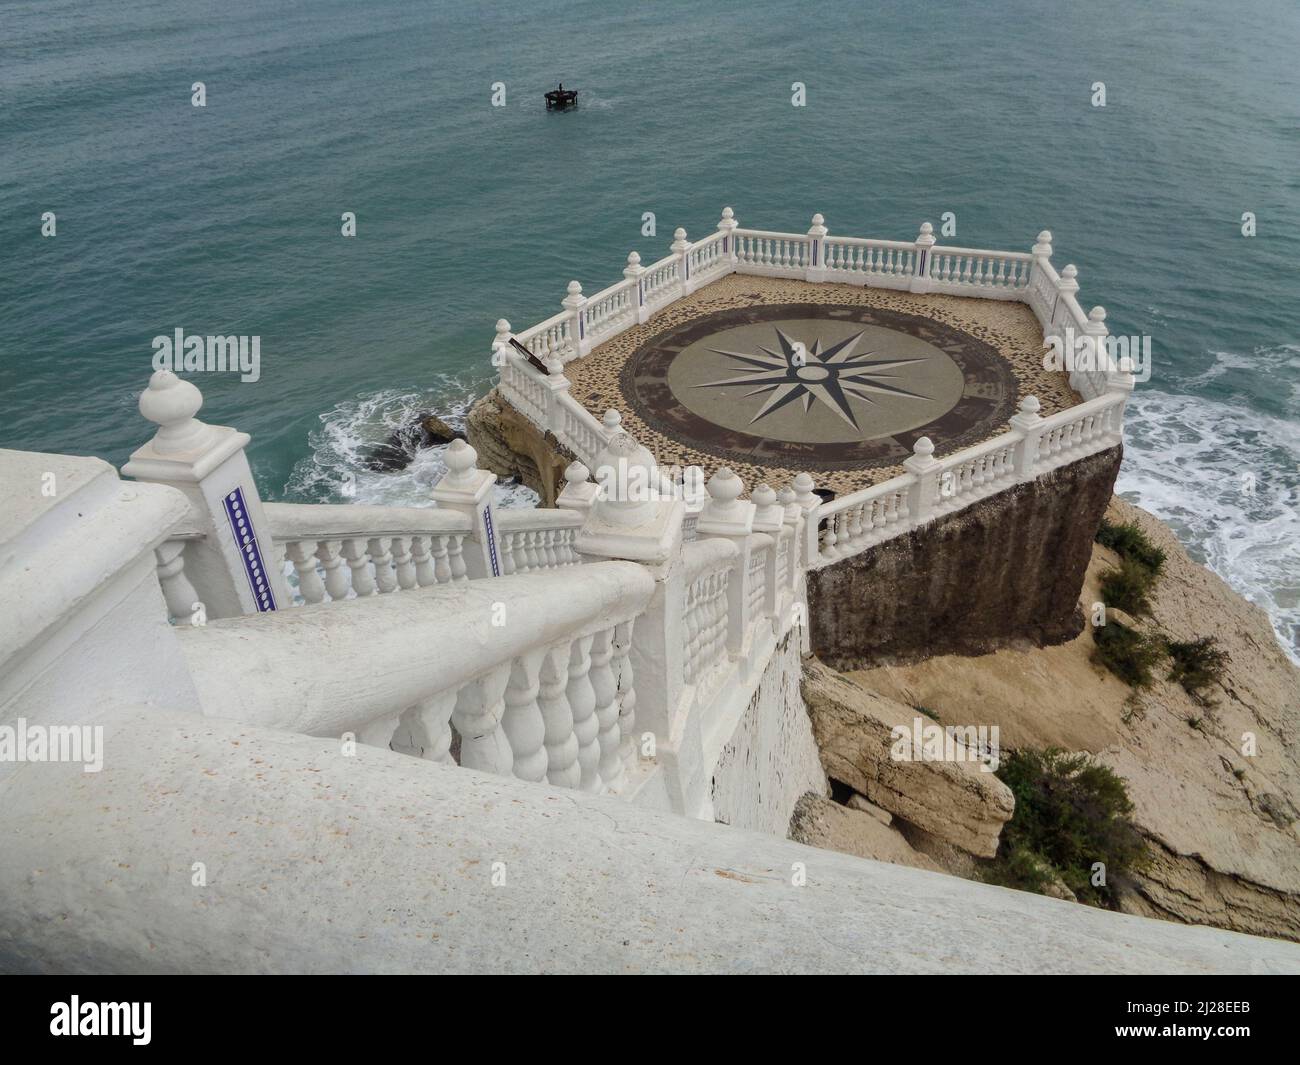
(831, 377)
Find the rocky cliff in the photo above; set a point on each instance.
(1215, 787)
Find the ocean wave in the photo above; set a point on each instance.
(336, 471)
(1226, 479)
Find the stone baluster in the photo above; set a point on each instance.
(575, 303)
(681, 247)
(605, 685)
(920, 281)
(561, 742)
(382, 557)
(726, 515)
(480, 705)
(358, 560)
(404, 563)
(380, 731)
(456, 558)
(428, 726)
(522, 720)
(921, 495)
(582, 700)
(727, 227)
(331, 561)
(1028, 423)
(470, 491)
(625, 681)
(816, 268)
(231, 565)
(301, 554)
(181, 598)
(425, 571)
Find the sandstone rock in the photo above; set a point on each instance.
(860, 802)
(1224, 845)
(509, 446)
(955, 800)
(438, 432)
(821, 822)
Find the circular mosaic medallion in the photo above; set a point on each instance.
(818, 386)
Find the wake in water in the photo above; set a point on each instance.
(336, 472)
(1227, 480)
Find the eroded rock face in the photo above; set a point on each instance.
(1007, 568)
(957, 801)
(1220, 823)
(508, 445)
(821, 822)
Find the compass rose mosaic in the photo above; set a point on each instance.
(819, 386)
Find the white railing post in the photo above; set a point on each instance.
(920, 281)
(1067, 285)
(468, 490)
(808, 503)
(232, 564)
(554, 383)
(681, 247)
(1028, 423)
(501, 345)
(633, 272)
(629, 520)
(769, 517)
(816, 270)
(1042, 253)
(793, 518)
(1100, 356)
(921, 496)
(574, 303)
(727, 227)
(579, 493)
(727, 516)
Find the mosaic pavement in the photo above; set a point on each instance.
(771, 377)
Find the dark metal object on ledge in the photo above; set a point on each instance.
(533, 359)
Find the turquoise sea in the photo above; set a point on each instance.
(226, 219)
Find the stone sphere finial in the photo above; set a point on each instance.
(926, 229)
(923, 447)
(461, 460)
(503, 327)
(575, 288)
(576, 473)
(803, 490)
(728, 213)
(1097, 314)
(785, 496)
(168, 400)
(1045, 237)
(612, 420)
(724, 486)
(763, 495)
(693, 482)
(1030, 405)
(627, 476)
(1070, 272)
(679, 233)
(554, 364)
(818, 220)
(171, 404)
(633, 258)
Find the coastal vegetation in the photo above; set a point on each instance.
(1071, 828)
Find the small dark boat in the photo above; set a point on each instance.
(561, 98)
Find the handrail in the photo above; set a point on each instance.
(339, 521)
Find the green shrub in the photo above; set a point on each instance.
(1129, 654)
(1196, 665)
(1070, 813)
(927, 712)
(1128, 541)
(1126, 587)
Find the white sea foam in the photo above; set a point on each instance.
(355, 425)
(1227, 480)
